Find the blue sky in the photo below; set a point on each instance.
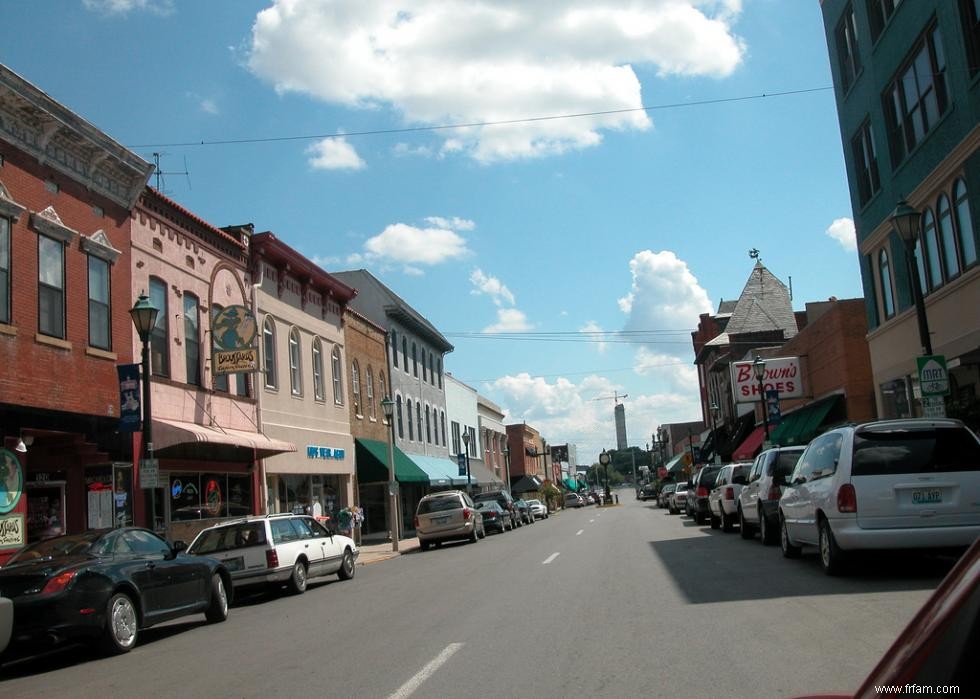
(628, 219)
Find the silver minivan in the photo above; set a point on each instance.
(446, 516)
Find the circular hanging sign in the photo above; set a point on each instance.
(233, 329)
(11, 481)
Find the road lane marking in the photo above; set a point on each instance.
(549, 559)
(579, 532)
(407, 689)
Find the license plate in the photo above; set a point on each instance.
(925, 497)
(441, 520)
(233, 564)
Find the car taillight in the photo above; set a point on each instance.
(491, 514)
(59, 582)
(847, 499)
(467, 513)
(271, 558)
(702, 492)
(775, 492)
(729, 493)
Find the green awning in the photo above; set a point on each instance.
(571, 484)
(800, 426)
(372, 464)
(675, 464)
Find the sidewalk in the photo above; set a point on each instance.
(373, 553)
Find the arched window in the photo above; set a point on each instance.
(951, 262)
(432, 370)
(269, 353)
(934, 275)
(428, 427)
(337, 370)
(398, 415)
(964, 223)
(160, 335)
(415, 361)
(369, 380)
(394, 348)
(885, 279)
(442, 424)
(295, 377)
(355, 385)
(192, 339)
(404, 354)
(411, 425)
(383, 389)
(317, 369)
(425, 373)
(439, 367)
(219, 381)
(418, 418)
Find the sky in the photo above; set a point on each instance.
(561, 188)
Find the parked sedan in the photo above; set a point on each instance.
(524, 511)
(538, 509)
(495, 518)
(665, 492)
(678, 499)
(107, 585)
(723, 498)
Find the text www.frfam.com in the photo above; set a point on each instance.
(892, 690)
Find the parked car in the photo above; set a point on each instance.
(277, 549)
(665, 492)
(723, 498)
(573, 500)
(647, 492)
(893, 484)
(506, 502)
(107, 585)
(446, 516)
(6, 622)
(538, 509)
(495, 518)
(524, 510)
(758, 502)
(701, 485)
(678, 498)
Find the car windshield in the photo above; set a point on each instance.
(438, 505)
(914, 451)
(708, 478)
(486, 505)
(58, 547)
(682, 487)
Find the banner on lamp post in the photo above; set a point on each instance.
(129, 397)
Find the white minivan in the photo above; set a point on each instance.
(893, 484)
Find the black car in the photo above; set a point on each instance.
(106, 585)
(524, 511)
(506, 502)
(495, 518)
(647, 492)
(702, 483)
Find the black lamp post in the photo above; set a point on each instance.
(466, 455)
(507, 465)
(388, 406)
(906, 221)
(144, 315)
(714, 409)
(759, 367)
(604, 459)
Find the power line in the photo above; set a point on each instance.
(477, 124)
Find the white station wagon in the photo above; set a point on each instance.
(894, 484)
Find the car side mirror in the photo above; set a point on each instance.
(799, 480)
(177, 547)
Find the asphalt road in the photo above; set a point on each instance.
(614, 602)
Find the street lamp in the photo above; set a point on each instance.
(759, 367)
(144, 315)
(466, 453)
(714, 409)
(906, 221)
(507, 465)
(388, 406)
(604, 459)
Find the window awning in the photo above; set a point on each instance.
(441, 471)
(482, 475)
(800, 426)
(172, 433)
(571, 484)
(750, 447)
(675, 464)
(372, 464)
(526, 484)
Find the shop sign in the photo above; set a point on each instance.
(315, 452)
(150, 473)
(129, 397)
(461, 460)
(782, 374)
(933, 375)
(12, 531)
(933, 406)
(233, 333)
(772, 406)
(11, 481)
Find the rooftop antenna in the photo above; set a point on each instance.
(160, 174)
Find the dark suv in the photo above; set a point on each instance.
(505, 500)
(701, 485)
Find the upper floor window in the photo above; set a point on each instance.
(369, 380)
(398, 415)
(4, 270)
(418, 417)
(355, 386)
(415, 360)
(337, 369)
(442, 423)
(934, 273)
(847, 49)
(428, 426)
(269, 353)
(439, 367)
(917, 97)
(383, 390)
(432, 369)
(99, 317)
(220, 381)
(947, 239)
(51, 286)
(964, 223)
(317, 369)
(160, 335)
(404, 354)
(425, 373)
(885, 280)
(879, 12)
(394, 347)
(970, 15)
(472, 445)
(411, 424)
(295, 375)
(192, 339)
(865, 162)
(456, 433)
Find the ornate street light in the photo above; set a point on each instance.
(144, 315)
(507, 464)
(906, 221)
(759, 367)
(604, 459)
(388, 406)
(466, 454)
(714, 409)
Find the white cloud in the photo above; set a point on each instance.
(476, 61)
(491, 286)
(121, 7)
(409, 245)
(334, 154)
(209, 106)
(404, 150)
(592, 327)
(842, 230)
(509, 320)
(454, 224)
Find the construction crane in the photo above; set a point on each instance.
(614, 397)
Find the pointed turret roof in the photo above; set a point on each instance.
(763, 306)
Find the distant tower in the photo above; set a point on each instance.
(620, 412)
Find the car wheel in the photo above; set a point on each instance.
(744, 530)
(346, 571)
(475, 536)
(217, 611)
(727, 522)
(714, 521)
(297, 581)
(832, 559)
(789, 550)
(767, 535)
(424, 545)
(700, 518)
(121, 625)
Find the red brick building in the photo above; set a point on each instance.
(66, 190)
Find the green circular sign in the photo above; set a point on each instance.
(11, 481)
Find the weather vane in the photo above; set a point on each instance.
(754, 253)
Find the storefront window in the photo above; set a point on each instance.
(895, 401)
(209, 495)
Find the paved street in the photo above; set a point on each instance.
(614, 602)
